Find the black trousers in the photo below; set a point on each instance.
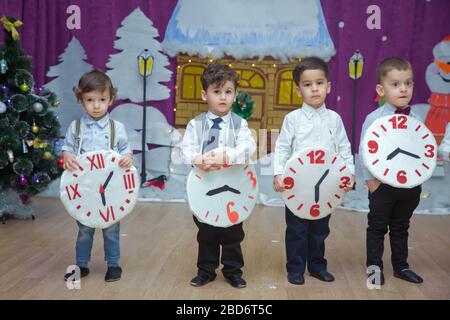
(305, 243)
(391, 208)
(210, 239)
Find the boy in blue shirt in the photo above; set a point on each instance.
(96, 94)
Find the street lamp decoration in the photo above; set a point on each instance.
(145, 66)
(355, 68)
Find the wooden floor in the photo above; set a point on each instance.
(159, 255)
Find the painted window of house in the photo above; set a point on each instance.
(286, 93)
(250, 79)
(191, 85)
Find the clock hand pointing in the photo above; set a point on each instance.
(102, 193)
(393, 154)
(107, 179)
(317, 186)
(409, 154)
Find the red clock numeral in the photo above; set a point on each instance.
(315, 210)
(319, 154)
(75, 192)
(97, 161)
(128, 180)
(373, 146)
(233, 216)
(288, 183)
(252, 178)
(401, 177)
(345, 182)
(401, 122)
(109, 210)
(430, 151)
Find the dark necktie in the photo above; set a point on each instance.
(213, 136)
(405, 111)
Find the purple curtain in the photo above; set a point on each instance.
(411, 29)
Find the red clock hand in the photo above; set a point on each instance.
(102, 193)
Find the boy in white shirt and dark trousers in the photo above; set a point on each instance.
(311, 125)
(390, 207)
(218, 128)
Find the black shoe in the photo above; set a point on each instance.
(113, 274)
(296, 278)
(201, 280)
(376, 276)
(236, 281)
(408, 275)
(83, 273)
(323, 276)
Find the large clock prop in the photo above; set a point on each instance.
(400, 151)
(314, 180)
(99, 193)
(222, 198)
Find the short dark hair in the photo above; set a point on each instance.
(218, 73)
(392, 63)
(94, 80)
(309, 63)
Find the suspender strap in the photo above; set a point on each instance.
(112, 133)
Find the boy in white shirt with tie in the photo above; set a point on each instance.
(218, 128)
(311, 125)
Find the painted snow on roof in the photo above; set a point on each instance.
(247, 28)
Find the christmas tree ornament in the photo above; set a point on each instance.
(56, 103)
(3, 66)
(10, 156)
(39, 144)
(38, 107)
(47, 155)
(37, 179)
(2, 107)
(24, 146)
(243, 105)
(22, 180)
(61, 162)
(24, 197)
(34, 128)
(57, 146)
(30, 143)
(24, 87)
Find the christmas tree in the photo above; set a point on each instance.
(29, 130)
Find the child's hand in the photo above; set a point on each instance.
(216, 160)
(126, 161)
(70, 161)
(349, 186)
(278, 185)
(373, 185)
(200, 162)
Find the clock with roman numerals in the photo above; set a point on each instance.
(224, 197)
(99, 193)
(314, 180)
(400, 151)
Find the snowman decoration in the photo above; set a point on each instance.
(436, 114)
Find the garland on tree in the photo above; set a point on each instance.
(243, 105)
(29, 130)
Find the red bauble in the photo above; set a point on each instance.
(61, 163)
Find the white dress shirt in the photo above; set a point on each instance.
(239, 145)
(310, 127)
(385, 110)
(444, 147)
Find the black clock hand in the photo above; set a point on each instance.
(107, 179)
(222, 189)
(102, 193)
(410, 154)
(317, 186)
(393, 154)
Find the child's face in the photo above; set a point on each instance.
(397, 87)
(96, 103)
(313, 87)
(220, 98)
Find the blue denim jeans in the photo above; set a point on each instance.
(111, 244)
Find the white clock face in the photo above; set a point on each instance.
(99, 193)
(224, 197)
(400, 151)
(314, 180)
